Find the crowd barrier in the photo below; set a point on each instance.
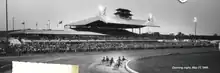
(129, 69)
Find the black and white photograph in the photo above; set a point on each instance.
(109, 36)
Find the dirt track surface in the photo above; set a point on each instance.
(184, 63)
(85, 59)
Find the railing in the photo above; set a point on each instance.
(129, 69)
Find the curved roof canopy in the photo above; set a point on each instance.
(55, 32)
(112, 22)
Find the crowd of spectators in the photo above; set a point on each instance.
(53, 47)
(53, 44)
(86, 37)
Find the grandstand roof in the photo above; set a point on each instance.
(114, 22)
(71, 32)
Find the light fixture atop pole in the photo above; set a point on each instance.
(150, 21)
(102, 10)
(23, 23)
(36, 25)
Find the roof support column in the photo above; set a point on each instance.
(132, 29)
(139, 30)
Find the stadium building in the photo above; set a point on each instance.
(95, 33)
(98, 26)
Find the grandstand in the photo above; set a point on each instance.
(94, 34)
(99, 33)
(98, 26)
(109, 25)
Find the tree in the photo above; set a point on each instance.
(171, 35)
(156, 33)
(191, 36)
(180, 34)
(123, 13)
(215, 34)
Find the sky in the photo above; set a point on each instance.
(171, 15)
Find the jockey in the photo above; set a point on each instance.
(111, 61)
(103, 60)
(123, 58)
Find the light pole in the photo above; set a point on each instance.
(195, 21)
(7, 49)
(13, 20)
(195, 27)
(6, 20)
(48, 25)
(60, 22)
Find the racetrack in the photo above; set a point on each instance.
(85, 59)
(185, 63)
